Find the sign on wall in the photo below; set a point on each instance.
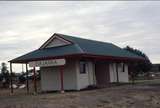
(46, 63)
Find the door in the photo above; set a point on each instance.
(102, 74)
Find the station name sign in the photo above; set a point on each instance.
(47, 63)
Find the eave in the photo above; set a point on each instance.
(89, 56)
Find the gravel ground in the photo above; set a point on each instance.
(126, 96)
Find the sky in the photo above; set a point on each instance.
(26, 25)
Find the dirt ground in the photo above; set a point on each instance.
(141, 95)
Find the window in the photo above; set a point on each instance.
(123, 67)
(82, 67)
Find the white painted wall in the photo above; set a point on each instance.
(91, 73)
(50, 77)
(112, 70)
(123, 76)
(84, 80)
(73, 80)
(70, 78)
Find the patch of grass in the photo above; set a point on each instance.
(154, 81)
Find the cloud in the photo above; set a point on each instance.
(26, 25)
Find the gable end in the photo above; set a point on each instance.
(55, 41)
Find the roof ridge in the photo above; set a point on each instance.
(82, 51)
(83, 38)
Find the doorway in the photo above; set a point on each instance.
(102, 74)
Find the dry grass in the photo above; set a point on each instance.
(126, 96)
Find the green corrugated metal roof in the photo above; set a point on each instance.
(99, 48)
(79, 46)
(49, 52)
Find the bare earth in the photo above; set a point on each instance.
(124, 96)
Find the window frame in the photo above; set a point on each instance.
(82, 67)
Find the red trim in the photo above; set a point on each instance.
(90, 56)
(61, 77)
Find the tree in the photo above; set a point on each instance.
(140, 67)
(4, 74)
